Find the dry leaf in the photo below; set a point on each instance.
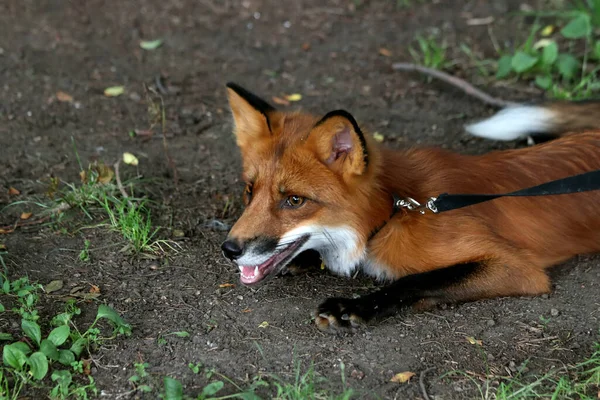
(279, 100)
(114, 91)
(53, 286)
(547, 31)
(83, 176)
(13, 192)
(385, 52)
(94, 289)
(247, 310)
(226, 285)
(294, 97)
(263, 324)
(105, 174)
(306, 46)
(130, 159)
(178, 233)
(151, 44)
(402, 377)
(472, 340)
(64, 97)
(378, 137)
(480, 21)
(5, 231)
(26, 215)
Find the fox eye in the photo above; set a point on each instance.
(294, 201)
(248, 192)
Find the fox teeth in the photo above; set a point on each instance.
(256, 270)
(241, 268)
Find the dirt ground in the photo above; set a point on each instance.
(330, 53)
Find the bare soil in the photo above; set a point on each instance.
(330, 53)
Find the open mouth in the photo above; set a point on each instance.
(255, 273)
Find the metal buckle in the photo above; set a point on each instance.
(412, 205)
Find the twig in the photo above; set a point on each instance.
(159, 85)
(422, 383)
(456, 82)
(120, 184)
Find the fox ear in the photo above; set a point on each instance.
(250, 114)
(340, 143)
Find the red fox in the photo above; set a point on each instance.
(322, 184)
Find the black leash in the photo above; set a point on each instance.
(585, 182)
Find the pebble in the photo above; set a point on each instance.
(545, 296)
(554, 312)
(490, 322)
(356, 374)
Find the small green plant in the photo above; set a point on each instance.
(26, 362)
(84, 255)
(140, 379)
(195, 367)
(305, 386)
(430, 53)
(565, 63)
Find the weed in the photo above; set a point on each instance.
(84, 255)
(580, 381)
(566, 62)
(26, 362)
(430, 54)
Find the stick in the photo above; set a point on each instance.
(120, 184)
(422, 383)
(456, 82)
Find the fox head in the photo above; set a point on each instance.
(310, 185)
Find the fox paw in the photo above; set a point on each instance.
(336, 315)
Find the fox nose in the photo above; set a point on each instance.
(232, 249)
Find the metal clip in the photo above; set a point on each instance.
(412, 205)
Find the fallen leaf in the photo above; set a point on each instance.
(542, 43)
(226, 285)
(480, 21)
(64, 97)
(114, 91)
(53, 286)
(151, 44)
(279, 100)
(402, 377)
(178, 233)
(105, 173)
(263, 324)
(246, 310)
(385, 52)
(378, 137)
(94, 289)
(130, 159)
(86, 367)
(13, 192)
(294, 97)
(26, 215)
(83, 176)
(181, 334)
(547, 31)
(472, 340)
(306, 46)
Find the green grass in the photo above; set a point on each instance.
(304, 385)
(430, 53)
(50, 356)
(576, 382)
(98, 197)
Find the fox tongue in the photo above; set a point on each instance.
(250, 274)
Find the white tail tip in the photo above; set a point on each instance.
(513, 123)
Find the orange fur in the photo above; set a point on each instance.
(516, 238)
